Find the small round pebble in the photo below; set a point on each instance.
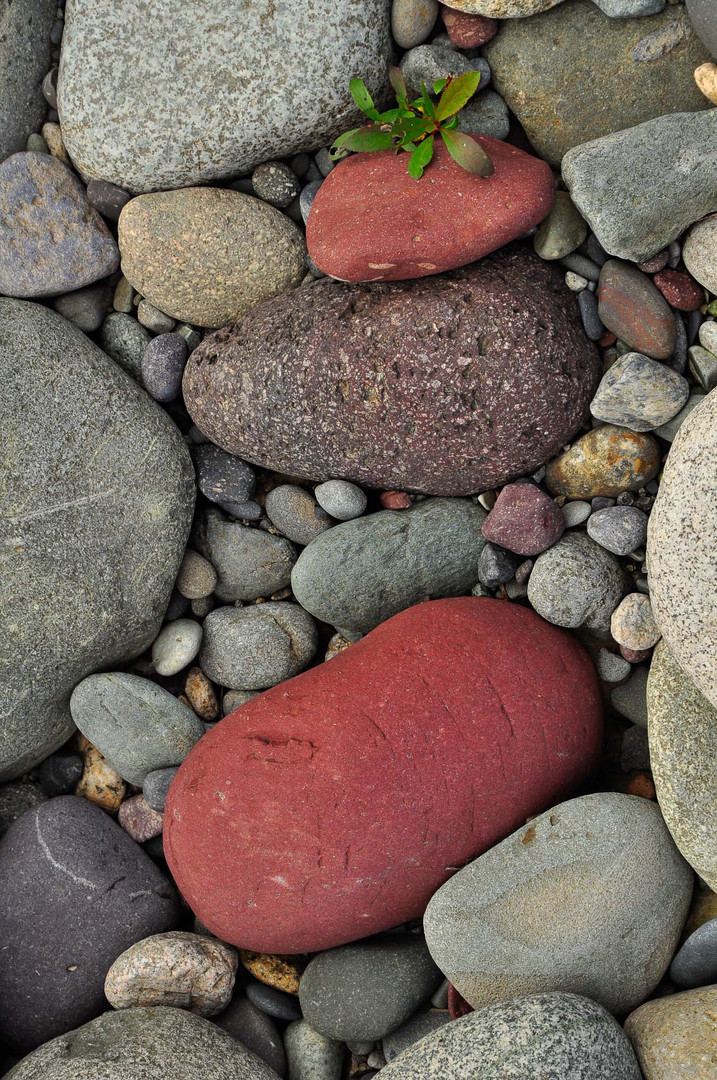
(496, 566)
(695, 963)
(59, 773)
(575, 282)
(176, 645)
(154, 319)
(341, 499)
(633, 624)
(162, 367)
(562, 231)
(222, 477)
(156, 787)
(576, 512)
(273, 1002)
(255, 647)
(201, 695)
(275, 183)
(576, 583)
(197, 577)
(139, 820)
(122, 338)
(610, 667)
(620, 529)
(296, 513)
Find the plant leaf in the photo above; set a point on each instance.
(429, 108)
(457, 94)
(399, 84)
(364, 140)
(362, 98)
(420, 157)
(439, 85)
(412, 128)
(469, 154)
(337, 147)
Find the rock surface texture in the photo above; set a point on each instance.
(24, 59)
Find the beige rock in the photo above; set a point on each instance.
(99, 782)
(675, 1037)
(699, 252)
(706, 79)
(502, 9)
(197, 577)
(200, 692)
(605, 461)
(281, 972)
(632, 623)
(53, 137)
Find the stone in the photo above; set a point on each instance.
(159, 1043)
(176, 645)
(208, 255)
(136, 724)
(439, 60)
(223, 478)
(280, 972)
(154, 319)
(125, 341)
(632, 187)
(682, 725)
(620, 529)
(250, 563)
(486, 114)
(562, 231)
(389, 695)
(669, 430)
(99, 783)
(108, 199)
(373, 415)
(575, 583)
(633, 308)
(51, 240)
(24, 58)
(296, 513)
(274, 182)
(255, 1030)
(108, 56)
(513, 921)
(139, 820)
(468, 31)
(156, 785)
(311, 1056)
(52, 135)
(674, 1036)
(274, 1002)
(633, 624)
(255, 647)
(695, 962)
(76, 891)
(87, 307)
(680, 290)
(630, 699)
(683, 523)
(197, 577)
(422, 1023)
(610, 667)
(699, 252)
(362, 572)
(558, 1035)
(16, 798)
(496, 566)
(175, 969)
(639, 393)
(703, 365)
(162, 366)
(708, 335)
(524, 520)
(200, 693)
(59, 773)
(606, 461)
(341, 499)
(702, 17)
(389, 978)
(98, 500)
(412, 21)
(576, 512)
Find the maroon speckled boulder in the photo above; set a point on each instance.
(334, 805)
(370, 221)
(448, 385)
(524, 520)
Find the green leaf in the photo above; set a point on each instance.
(429, 108)
(450, 123)
(413, 128)
(364, 140)
(399, 84)
(337, 147)
(362, 98)
(420, 157)
(712, 308)
(439, 85)
(469, 154)
(457, 94)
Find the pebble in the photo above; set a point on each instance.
(706, 79)
(255, 1030)
(36, 144)
(136, 724)
(610, 667)
(562, 231)
(156, 785)
(311, 1056)
(197, 577)
(605, 461)
(580, 264)
(708, 335)
(24, 59)
(123, 299)
(669, 430)
(466, 30)
(52, 135)
(296, 513)
(175, 969)
(588, 307)
(576, 583)
(703, 365)
(281, 972)
(200, 693)
(323, 161)
(620, 529)
(223, 478)
(139, 820)
(576, 512)
(634, 309)
(250, 563)
(680, 290)
(516, 914)
(639, 393)
(306, 199)
(422, 1023)
(524, 520)
(700, 252)
(390, 977)
(275, 182)
(59, 773)
(674, 1036)
(412, 21)
(496, 566)
(154, 319)
(234, 699)
(341, 499)
(176, 645)
(107, 199)
(87, 307)
(125, 341)
(486, 114)
(162, 366)
(695, 962)
(255, 647)
(634, 751)
(633, 624)
(276, 1003)
(99, 783)
(427, 63)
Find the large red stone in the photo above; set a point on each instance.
(371, 222)
(335, 804)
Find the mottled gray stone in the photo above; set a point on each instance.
(224, 478)
(114, 55)
(486, 114)
(639, 189)
(669, 430)
(97, 502)
(417, 1027)
(162, 366)
(24, 59)
(176, 645)
(258, 646)
(699, 252)
(250, 563)
(362, 572)
(341, 499)
(125, 340)
(576, 512)
(427, 63)
(311, 1056)
(86, 308)
(695, 962)
(275, 183)
(611, 667)
(561, 1036)
(255, 1030)
(639, 393)
(702, 16)
(296, 513)
(412, 21)
(630, 698)
(620, 529)
(513, 921)
(576, 582)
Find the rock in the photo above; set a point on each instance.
(606, 461)
(113, 51)
(675, 1035)
(669, 430)
(154, 319)
(575, 513)
(422, 1023)
(250, 563)
(680, 290)
(98, 502)
(76, 891)
(703, 365)
(389, 978)
(197, 577)
(125, 340)
(99, 783)
(223, 478)
(372, 415)
(496, 566)
(160, 1043)
(108, 199)
(176, 969)
(634, 309)
(702, 18)
(486, 114)
(683, 729)
(361, 573)
(390, 694)
(86, 308)
(514, 919)
(274, 182)
(631, 186)
(610, 667)
(207, 255)
(559, 1035)
(695, 962)
(296, 513)
(162, 366)
(620, 529)
(24, 58)
(311, 1056)
(699, 252)
(255, 647)
(59, 773)
(274, 1002)
(632, 623)
(439, 60)
(606, 75)
(135, 723)
(683, 521)
(201, 695)
(255, 1030)
(16, 798)
(412, 21)
(575, 583)
(524, 519)
(630, 699)
(51, 240)
(283, 973)
(639, 393)
(562, 231)
(468, 31)
(139, 820)
(176, 645)
(340, 499)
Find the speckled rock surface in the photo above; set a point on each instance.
(701, 14)
(561, 1036)
(339, 405)
(700, 252)
(24, 59)
(258, 646)
(98, 496)
(675, 1037)
(249, 562)
(576, 582)
(682, 726)
(639, 393)
(205, 255)
(605, 461)
(420, 1024)
(112, 55)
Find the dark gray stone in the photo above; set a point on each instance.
(496, 566)
(427, 63)
(254, 647)
(421, 1024)
(275, 183)
(620, 529)
(695, 963)
(306, 199)
(75, 892)
(155, 787)
(125, 339)
(296, 513)
(16, 798)
(249, 562)
(24, 58)
(702, 17)
(59, 773)
(255, 1030)
(86, 308)
(223, 478)
(107, 199)
(274, 1002)
(635, 750)
(588, 307)
(163, 363)
(485, 114)
(311, 1056)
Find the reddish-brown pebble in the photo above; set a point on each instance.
(139, 819)
(640, 785)
(201, 694)
(457, 1004)
(632, 307)
(468, 31)
(524, 520)
(656, 263)
(680, 290)
(395, 500)
(607, 340)
(635, 656)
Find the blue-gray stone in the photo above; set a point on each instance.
(695, 963)
(420, 1024)
(163, 363)
(273, 1002)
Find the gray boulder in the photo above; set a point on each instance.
(98, 496)
(24, 60)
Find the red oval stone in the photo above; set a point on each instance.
(371, 222)
(468, 31)
(680, 290)
(334, 805)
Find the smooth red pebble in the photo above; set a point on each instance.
(607, 339)
(457, 1004)
(657, 262)
(371, 222)
(334, 805)
(680, 290)
(468, 31)
(635, 656)
(524, 520)
(395, 500)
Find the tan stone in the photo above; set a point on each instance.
(282, 972)
(201, 694)
(52, 135)
(605, 461)
(675, 1037)
(99, 782)
(706, 79)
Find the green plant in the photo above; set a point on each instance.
(413, 125)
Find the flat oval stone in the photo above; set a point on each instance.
(51, 240)
(433, 405)
(314, 758)
(208, 255)
(604, 462)
(370, 221)
(258, 646)
(176, 645)
(249, 563)
(639, 393)
(676, 1034)
(255, 1030)
(635, 310)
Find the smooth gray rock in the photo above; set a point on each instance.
(255, 1030)
(155, 787)
(114, 57)
(255, 647)
(420, 1024)
(639, 393)
(97, 502)
(630, 698)
(427, 63)
(125, 340)
(341, 499)
(560, 1036)
(412, 21)
(86, 308)
(311, 1056)
(144, 1044)
(136, 724)
(702, 17)
(620, 529)
(695, 962)
(362, 572)
(513, 922)
(296, 513)
(639, 189)
(249, 562)
(24, 60)
(669, 430)
(485, 114)
(576, 582)
(273, 1002)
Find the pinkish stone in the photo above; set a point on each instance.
(524, 520)
(468, 31)
(680, 289)
(395, 500)
(139, 819)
